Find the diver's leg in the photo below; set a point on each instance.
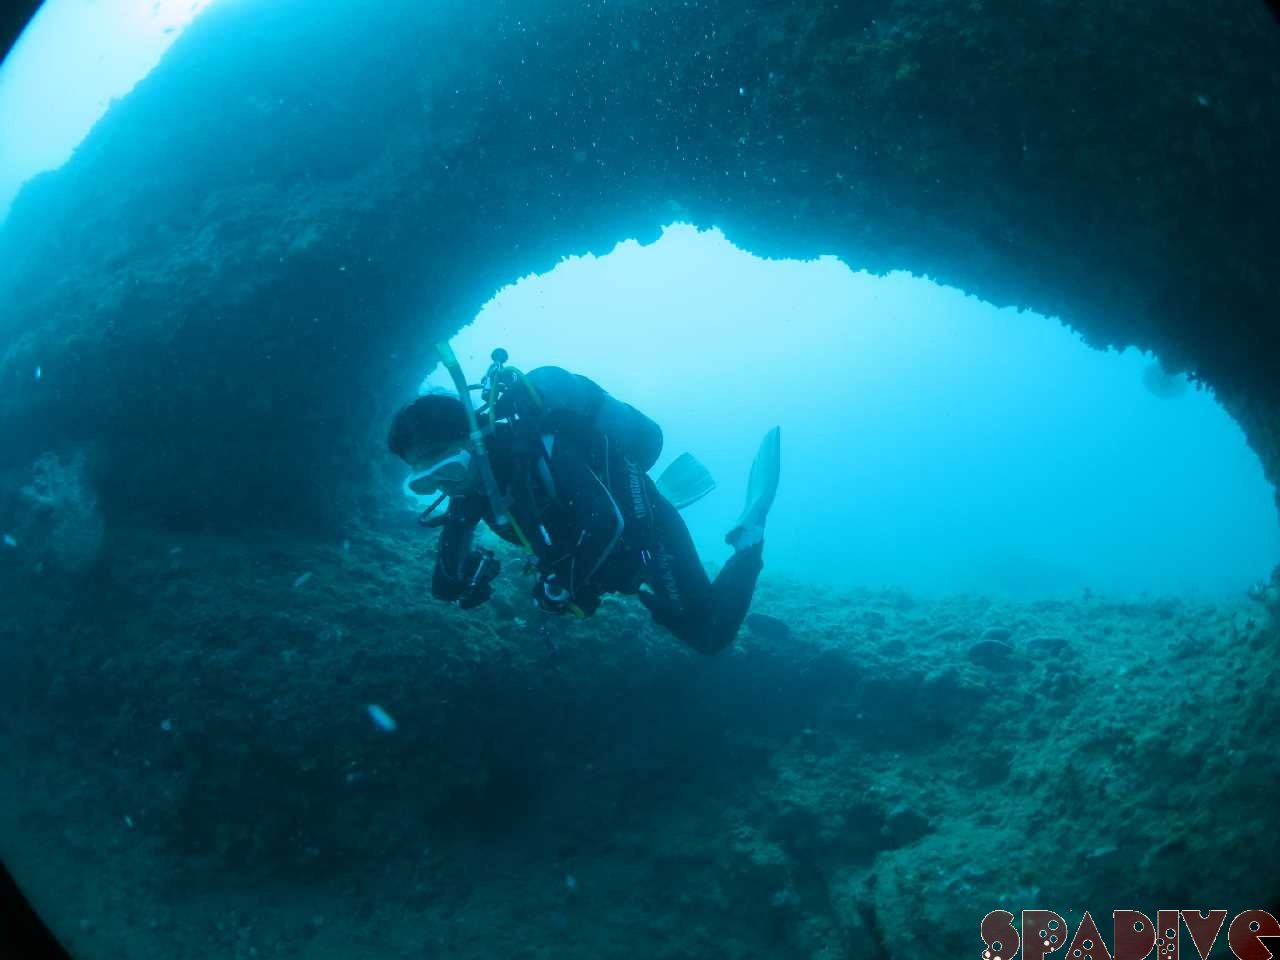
(732, 590)
(704, 614)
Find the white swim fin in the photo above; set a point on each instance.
(685, 481)
(762, 488)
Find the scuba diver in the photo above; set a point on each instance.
(553, 463)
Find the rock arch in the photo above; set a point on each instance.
(241, 269)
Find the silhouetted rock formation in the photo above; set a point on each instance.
(243, 267)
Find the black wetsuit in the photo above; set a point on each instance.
(598, 524)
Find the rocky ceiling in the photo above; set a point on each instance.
(241, 271)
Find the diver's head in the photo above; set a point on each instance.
(430, 434)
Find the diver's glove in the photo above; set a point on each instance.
(478, 572)
(551, 595)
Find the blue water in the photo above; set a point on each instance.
(931, 441)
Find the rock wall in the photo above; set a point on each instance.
(241, 270)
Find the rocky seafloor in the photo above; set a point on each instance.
(193, 771)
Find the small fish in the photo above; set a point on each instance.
(39, 372)
(302, 580)
(381, 719)
(174, 551)
(9, 540)
(570, 882)
(128, 821)
(166, 725)
(346, 546)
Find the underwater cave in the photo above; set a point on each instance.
(934, 443)
(215, 601)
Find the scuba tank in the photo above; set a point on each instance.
(528, 402)
(549, 394)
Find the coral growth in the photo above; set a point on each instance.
(57, 521)
(1267, 593)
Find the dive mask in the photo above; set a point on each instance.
(447, 474)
